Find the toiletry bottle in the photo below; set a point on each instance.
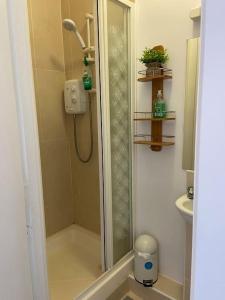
(159, 106)
(87, 77)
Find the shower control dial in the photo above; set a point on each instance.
(74, 99)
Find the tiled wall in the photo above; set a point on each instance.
(85, 176)
(49, 73)
(71, 189)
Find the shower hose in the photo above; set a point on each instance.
(91, 135)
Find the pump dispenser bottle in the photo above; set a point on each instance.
(159, 106)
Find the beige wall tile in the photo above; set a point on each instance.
(48, 58)
(47, 34)
(57, 185)
(55, 51)
(78, 73)
(50, 105)
(85, 176)
(86, 191)
(68, 37)
(77, 13)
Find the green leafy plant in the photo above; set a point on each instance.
(154, 55)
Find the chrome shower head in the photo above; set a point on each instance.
(70, 25)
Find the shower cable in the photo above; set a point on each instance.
(91, 135)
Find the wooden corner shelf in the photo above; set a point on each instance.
(153, 78)
(156, 140)
(152, 143)
(148, 116)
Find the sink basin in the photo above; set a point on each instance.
(185, 207)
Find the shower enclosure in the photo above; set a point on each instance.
(87, 202)
(117, 93)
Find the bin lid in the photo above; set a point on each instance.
(146, 244)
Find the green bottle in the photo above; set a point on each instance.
(159, 106)
(87, 77)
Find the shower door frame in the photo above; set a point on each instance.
(104, 116)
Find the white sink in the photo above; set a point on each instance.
(185, 207)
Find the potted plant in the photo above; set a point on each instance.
(154, 59)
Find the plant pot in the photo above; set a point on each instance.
(153, 69)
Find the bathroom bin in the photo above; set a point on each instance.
(146, 260)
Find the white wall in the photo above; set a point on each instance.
(209, 222)
(15, 280)
(160, 178)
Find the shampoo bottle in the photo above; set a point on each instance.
(87, 77)
(159, 106)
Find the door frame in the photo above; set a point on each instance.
(29, 143)
(15, 274)
(107, 221)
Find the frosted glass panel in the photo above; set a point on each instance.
(119, 97)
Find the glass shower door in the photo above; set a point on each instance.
(118, 110)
